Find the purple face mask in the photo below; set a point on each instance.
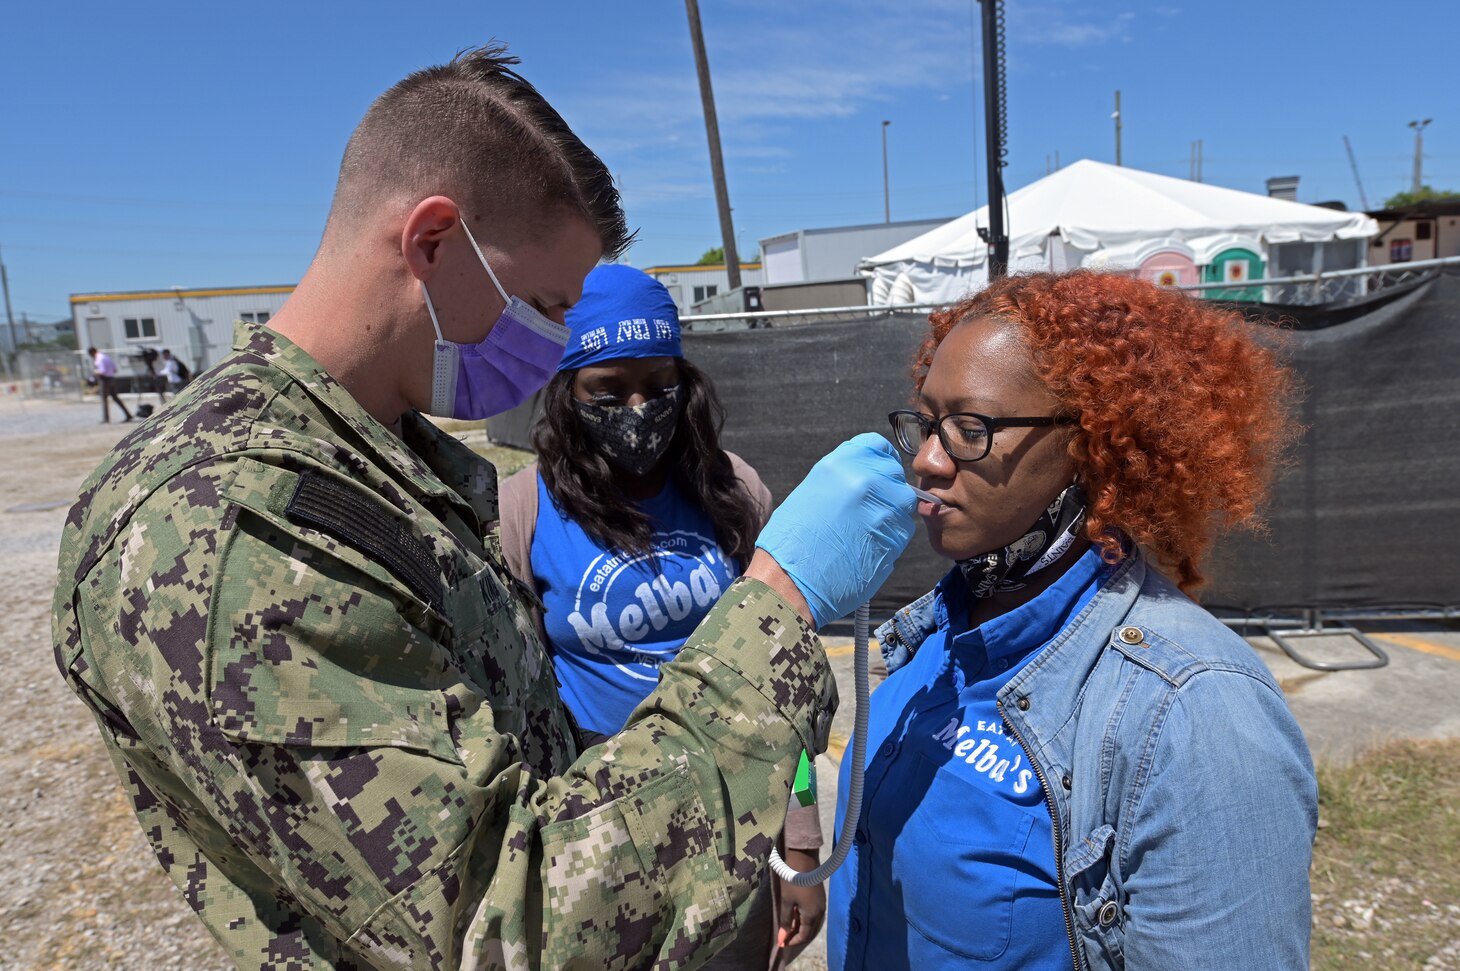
(521, 352)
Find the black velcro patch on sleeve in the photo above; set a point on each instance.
(341, 511)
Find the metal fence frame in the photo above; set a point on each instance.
(1320, 284)
(1377, 278)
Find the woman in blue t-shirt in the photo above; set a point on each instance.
(629, 527)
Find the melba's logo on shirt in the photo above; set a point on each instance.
(986, 754)
(610, 615)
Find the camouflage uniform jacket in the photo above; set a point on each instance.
(329, 705)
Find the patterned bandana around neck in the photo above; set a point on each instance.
(1002, 571)
(632, 437)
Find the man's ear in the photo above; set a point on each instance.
(426, 226)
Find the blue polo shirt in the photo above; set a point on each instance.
(612, 619)
(953, 864)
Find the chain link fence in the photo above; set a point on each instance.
(1332, 289)
(763, 320)
(1336, 287)
(50, 373)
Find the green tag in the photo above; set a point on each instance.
(804, 788)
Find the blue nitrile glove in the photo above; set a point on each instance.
(839, 532)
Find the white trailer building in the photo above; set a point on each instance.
(196, 325)
(688, 284)
(834, 252)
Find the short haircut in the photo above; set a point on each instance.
(476, 131)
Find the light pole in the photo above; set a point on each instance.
(886, 195)
(1116, 117)
(1419, 146)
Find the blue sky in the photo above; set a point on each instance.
(157, 144)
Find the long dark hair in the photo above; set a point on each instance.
(584, 485)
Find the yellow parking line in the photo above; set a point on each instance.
(1420, 644)
(849, 648)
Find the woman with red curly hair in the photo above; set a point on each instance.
(1071, 764)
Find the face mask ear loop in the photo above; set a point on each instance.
(472, 239)
(431, 309)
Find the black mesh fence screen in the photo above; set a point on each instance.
(1368, 515)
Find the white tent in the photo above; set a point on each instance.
(1098, 215)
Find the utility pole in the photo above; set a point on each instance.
(996, 135)
(1363, 199)
(712, 131)
(886, 193)
(1116, 116)
(9, 317)
(1419, 150)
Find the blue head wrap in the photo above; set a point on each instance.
(623, 312)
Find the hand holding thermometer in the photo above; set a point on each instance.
(804, 786)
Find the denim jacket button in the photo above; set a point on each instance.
(1132, 635)
(1108, 912)
(1022, 704)
(1066, 783)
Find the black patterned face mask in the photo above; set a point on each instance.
(1002, 571)
(632, 437)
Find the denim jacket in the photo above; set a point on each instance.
(1181, 788)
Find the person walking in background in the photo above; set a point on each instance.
(155, 381)
(172, 371)
(105, 370)
(629, 527)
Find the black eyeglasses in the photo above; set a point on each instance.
(966, 437)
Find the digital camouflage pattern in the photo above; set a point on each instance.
(329, 705)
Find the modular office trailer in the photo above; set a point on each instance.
(195, 324)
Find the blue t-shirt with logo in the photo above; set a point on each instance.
(612, 619)
(953, 860)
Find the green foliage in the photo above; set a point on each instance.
(1425, 194)
(712, 256)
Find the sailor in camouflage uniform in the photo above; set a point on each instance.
(285, 602)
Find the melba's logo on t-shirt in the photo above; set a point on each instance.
(610, 615)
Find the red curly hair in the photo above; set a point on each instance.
(1184, 417)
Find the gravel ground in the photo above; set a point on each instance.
(81, 886)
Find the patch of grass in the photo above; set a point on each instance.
(1386, 865)
(506, 458)
(454, 425)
